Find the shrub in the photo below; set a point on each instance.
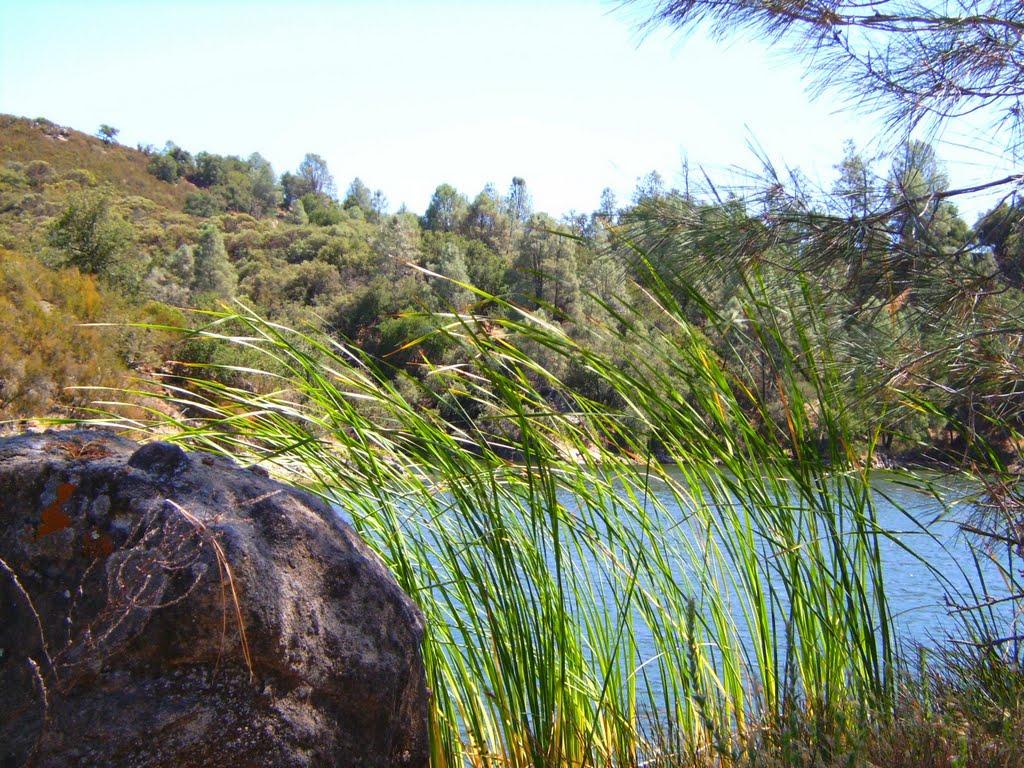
(164, 167)
(82, 177)
(39, 173)
(203, 204)
(89, 235)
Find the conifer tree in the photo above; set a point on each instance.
(214, 273)
(446, 210)
(452, 264)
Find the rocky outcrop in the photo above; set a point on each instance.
(169, 609)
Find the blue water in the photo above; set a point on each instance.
(929, 565)
(925, 608)
(932, 570)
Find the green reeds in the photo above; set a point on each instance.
(590, 601)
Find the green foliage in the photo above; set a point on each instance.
(67, 151)
(754, 355)
(451, 264)
(1002, 230)
(81, 177)
(309, 283)
(487, 269)
(184, 162)
(650, 187)
(519, 203)
(209, 171)
(164, 167)
(171, 281)
(213, 272)
(108, 133)
(228, 183)
(359, 196)
(89, 236)
(546, 269)
(487, 222)
(321, 210)
(379, 205)
(446, 210)
(39, 173)
(203, 205)
(263, 189)
(888, 281)
(294, 188)
(607, 210)
(540, 575)
(297, 213)
(499, 372)
(150, 348)
(316, 176)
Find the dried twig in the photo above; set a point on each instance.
(224, 568)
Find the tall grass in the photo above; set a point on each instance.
(589, 600)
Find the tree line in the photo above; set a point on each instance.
(292, 247)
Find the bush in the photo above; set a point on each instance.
(322, 211)
(164, 167)
(39, 173)
(150, 348)
(89, 235)
(203, 204)
(82, 177)
(13, 175)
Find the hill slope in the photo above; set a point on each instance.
(23, 140)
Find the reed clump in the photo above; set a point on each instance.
(686, 577)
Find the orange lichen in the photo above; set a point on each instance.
(54, 518)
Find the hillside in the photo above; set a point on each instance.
(25, 141)
(161, 231)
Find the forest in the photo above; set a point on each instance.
(152, 235)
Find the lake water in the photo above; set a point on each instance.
(922, 605)
(928, 564)
(930, 567)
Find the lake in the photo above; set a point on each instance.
(927, 533)
(926, 562)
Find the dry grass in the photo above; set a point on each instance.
(24, 141)
(967, 715)
(45, 348)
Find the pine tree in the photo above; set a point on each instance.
(214, 273)
(297, 213)
(452, 264)
(446, 210)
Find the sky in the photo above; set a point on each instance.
(567, 94)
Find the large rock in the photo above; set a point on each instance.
(159, 608)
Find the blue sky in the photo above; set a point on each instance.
(406, 95)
